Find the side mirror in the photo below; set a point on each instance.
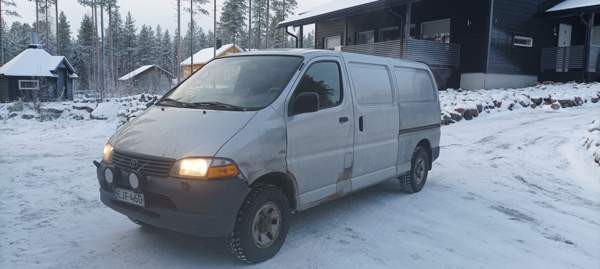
(306, 102)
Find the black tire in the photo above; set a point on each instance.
(249, 223)
(416, 179)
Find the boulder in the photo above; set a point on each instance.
(12, 115)
(27, 116)
(86, 108)
(470, 114)
(447, 120)
(498, 104)
(511, 107)
(456, 117)
(536, 101)
(566, 103)
(578, 101)
(16, 106)
(555, 106)
(595, 99)
(548, 101)
(480, 108)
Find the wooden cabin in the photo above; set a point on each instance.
(147, 79)
(202, 57)
(35, 74)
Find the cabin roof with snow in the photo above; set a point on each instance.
(36, 62)
(206, 55)
(141, 70)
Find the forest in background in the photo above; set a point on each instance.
(109, 44)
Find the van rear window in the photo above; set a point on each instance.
(372, 84)
(414, 85)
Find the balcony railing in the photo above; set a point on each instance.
(565, 59)
(435, 54)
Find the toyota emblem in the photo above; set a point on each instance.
(134, 163)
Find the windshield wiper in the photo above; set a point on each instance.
(219, 105)
(172, 102)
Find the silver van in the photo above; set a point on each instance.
(251, 138)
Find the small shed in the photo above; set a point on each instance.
(36, 73)
(147, 79)
(204, 56)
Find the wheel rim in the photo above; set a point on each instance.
(420, 171)
(266, 225)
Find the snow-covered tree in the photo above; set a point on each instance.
(64, 45)
(145, 47)
(129, 45)
(232, 24)
(282, 9)
(83, 53)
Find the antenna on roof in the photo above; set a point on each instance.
(35, 41)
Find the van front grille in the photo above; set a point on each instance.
(148, 166)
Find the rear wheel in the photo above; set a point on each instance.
(417, 177)
(261, 226)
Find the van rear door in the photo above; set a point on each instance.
(376, 119)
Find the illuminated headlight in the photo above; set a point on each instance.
(109, 175)
(107, 153)
(205, 168)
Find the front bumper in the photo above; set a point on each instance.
(206, 208)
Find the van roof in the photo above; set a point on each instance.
(311, 53)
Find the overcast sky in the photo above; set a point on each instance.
(149, 12)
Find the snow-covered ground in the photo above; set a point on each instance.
(516, 189)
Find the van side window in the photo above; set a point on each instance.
(324, 79)
(372, 84)
(414, 85)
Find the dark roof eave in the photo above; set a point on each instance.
(369, 7)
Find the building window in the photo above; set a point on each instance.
(366, 37)
(390, 33)
(332, 42)
(29, 85)
(523, 41)
(436, 30)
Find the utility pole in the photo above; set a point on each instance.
(102, 54)
(56, 20)
(47, 26)
(215, 29)
(191, 36)
(249, 24)
(37, 16)
(267, 30)
(178, 43)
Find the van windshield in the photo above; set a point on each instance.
(242, 83)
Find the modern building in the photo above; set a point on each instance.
(147, 79)
(204, 56)
(471, 44)
(34, 73)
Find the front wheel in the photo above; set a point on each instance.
(261, 226)
(417, 177)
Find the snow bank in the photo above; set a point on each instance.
(461, 104)
(591, 140)
(120, 109)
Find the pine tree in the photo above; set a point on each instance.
(129, 44)
(17, 39)
(232, 24)
(282, 10)
(84, 53)
(157, 46)
(145, 47)
(167, 54)
(64, 36)
(259, 25)
(118, 49)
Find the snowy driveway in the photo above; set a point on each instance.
(509, 189)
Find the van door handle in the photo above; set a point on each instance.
(361, 124)
(343, 119)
